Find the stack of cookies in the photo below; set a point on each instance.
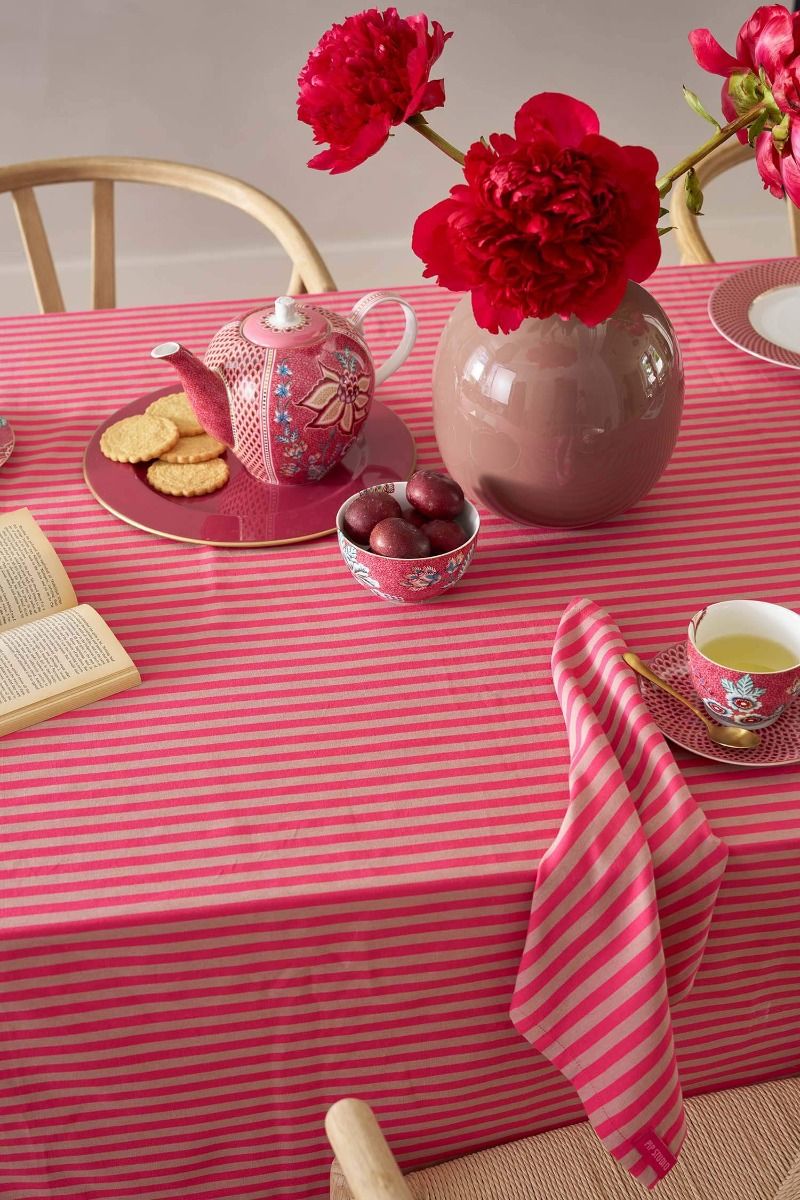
(184, 459)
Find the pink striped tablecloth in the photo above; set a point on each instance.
(298, 861)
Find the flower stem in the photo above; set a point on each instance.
(419, 123)
(666, 181)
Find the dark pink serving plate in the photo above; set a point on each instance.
(245, 512)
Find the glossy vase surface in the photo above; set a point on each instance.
(559, 424)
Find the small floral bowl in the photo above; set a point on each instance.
(408, 580)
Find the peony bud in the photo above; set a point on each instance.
(745, 91)
(694, 193)
(780, 133)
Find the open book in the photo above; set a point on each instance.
(55, 654)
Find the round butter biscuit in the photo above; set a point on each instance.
(200, 447)
(138, 439)
(176, 407)
(188, 479)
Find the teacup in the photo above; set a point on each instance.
(744, 660)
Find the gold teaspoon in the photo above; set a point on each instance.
(732, 736)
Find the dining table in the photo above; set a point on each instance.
(296, 863)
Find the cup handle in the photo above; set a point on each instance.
(402, 351)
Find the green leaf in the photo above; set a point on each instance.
(757, 127)
(694, 193)
(664, 229)
(696, 103)
(663, 212)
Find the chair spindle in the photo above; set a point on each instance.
(794, 225)
(104, 289)
(37, 250)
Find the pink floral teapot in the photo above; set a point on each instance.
(288, 386)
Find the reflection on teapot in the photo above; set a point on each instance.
(289, 386)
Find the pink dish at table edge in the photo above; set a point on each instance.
(730, 304)
(6, 441)
(408, 580)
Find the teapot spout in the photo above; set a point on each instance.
(207, 393)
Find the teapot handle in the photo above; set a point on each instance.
(401, 353)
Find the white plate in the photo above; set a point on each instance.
(776, 316)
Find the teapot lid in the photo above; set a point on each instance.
(284, 324)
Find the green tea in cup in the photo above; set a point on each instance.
(744, 660)
(748, 652)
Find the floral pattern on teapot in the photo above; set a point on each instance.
(311, 403)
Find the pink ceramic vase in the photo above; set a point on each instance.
(558, 424)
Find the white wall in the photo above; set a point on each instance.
(213, 83)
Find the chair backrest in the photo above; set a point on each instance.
(691, 243)
(309, 272)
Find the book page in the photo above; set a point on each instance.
(33, 582)
(59, 662)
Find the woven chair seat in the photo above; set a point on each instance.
(742, 1144)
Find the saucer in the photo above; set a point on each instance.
(779, 744)
(6, 441)
(758, 310)
(246, 512)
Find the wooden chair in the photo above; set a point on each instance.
(309, 272)
(691, 243)
(743, 1144)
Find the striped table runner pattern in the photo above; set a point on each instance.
(622, 906)
(297, 862)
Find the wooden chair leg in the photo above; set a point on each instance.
(367, 1162)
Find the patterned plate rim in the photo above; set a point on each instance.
(679, 726)
(729, 308)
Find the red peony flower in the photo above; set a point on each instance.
(766, 67)
(755, 38)
(554, 220)
(365, 76)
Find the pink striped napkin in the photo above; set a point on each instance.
(621, 907)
